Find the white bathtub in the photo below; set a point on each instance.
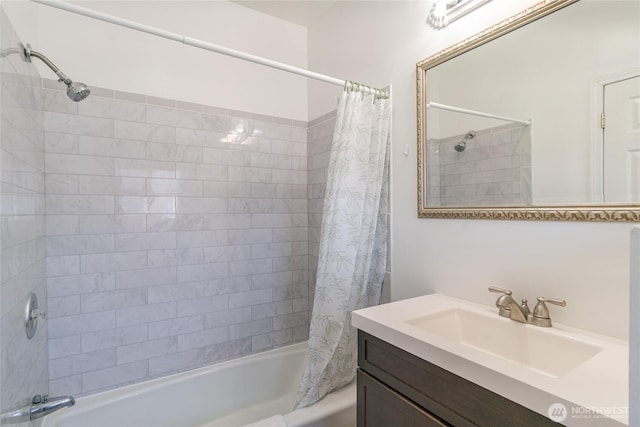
(227, 394)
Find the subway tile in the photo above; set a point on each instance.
(244, 299)
(173, 257)
(218, 319)
(176, 362)
(112, 185)
(144, 132)
(203, 338)
(290, 320)
(276, 191)
(115, 376)
(174, 152)
(227, 350)
(193, 273)
(131, 97)
(63, 306)
(77, 125)
(63, 265)
(249, 174)
(145, 241)
(174, 187)
(145, 205)
(271, 161)
(112, 300)
(76, 164)
(227, 285)
(111, 109)
(202, 305)
(174, 327)
(79, 204)
(111, 147)
(218, 156)
(271, 280)
(197, 137)
(145, 314)
(112, 338)
(161, 102)
(288, 176)
(144, 168)
(80, 363)
(146, 350)
(71, 385)
(278, 308)
(145, 277)
(227, 253)
(270, 221)
(242, 205)
(202, 205)
(63, 347)
(201, 172)
(80, 324)
(226, 189)
(255, 266)
(175, 292)
(58, 102)
(112, 224)
(60, 142)
(271, 250)
(271, 339)
(60, 225)
(61, 184)
(226, 221)
(248, 329)
(170, 222)
(201, 239)
(77, 245)
(173, 117)
(242, 237)
(80, 284)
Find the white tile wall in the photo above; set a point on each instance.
(170, 245)
(495, 168)
(24, 369)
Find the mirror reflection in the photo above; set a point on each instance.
(566, 93)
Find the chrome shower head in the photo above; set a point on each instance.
(76, 91)
(462, 145)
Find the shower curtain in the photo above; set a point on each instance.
(353, 241)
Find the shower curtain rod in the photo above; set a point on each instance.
(204, 45)
(476, 113)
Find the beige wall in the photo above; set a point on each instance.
(379, 43)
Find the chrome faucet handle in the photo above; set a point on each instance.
(540, 315)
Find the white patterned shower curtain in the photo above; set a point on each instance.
(353, 241)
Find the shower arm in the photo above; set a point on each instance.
(28, 53)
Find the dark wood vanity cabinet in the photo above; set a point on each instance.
(398, 389)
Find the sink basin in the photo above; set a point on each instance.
(540, 349)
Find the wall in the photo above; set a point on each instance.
(379, 43)
(174, 240)
(109, 56)
(23, 372)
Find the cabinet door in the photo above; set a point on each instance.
(380, 406)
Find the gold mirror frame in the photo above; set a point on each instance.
(578, 212)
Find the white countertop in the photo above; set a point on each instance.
(600, 383)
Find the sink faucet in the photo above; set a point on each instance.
(37, 408)
(509, 308)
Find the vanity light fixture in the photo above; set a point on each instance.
(445, 11)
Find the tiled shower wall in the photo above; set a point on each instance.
(177, 236)
(495, 168)
(319, 137)
(22, 224)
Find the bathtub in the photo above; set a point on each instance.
(227, 394)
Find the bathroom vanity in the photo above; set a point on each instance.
(440, 361)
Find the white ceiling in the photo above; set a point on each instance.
(301, 12)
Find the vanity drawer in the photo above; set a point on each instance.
(380, 406)
(450, 397)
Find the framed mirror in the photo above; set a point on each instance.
(535, 118)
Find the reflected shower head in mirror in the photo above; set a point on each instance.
(76, 91)
(460, 147)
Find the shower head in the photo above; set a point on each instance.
(462, 145)
(76, 91)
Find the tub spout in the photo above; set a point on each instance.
(44, 405)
